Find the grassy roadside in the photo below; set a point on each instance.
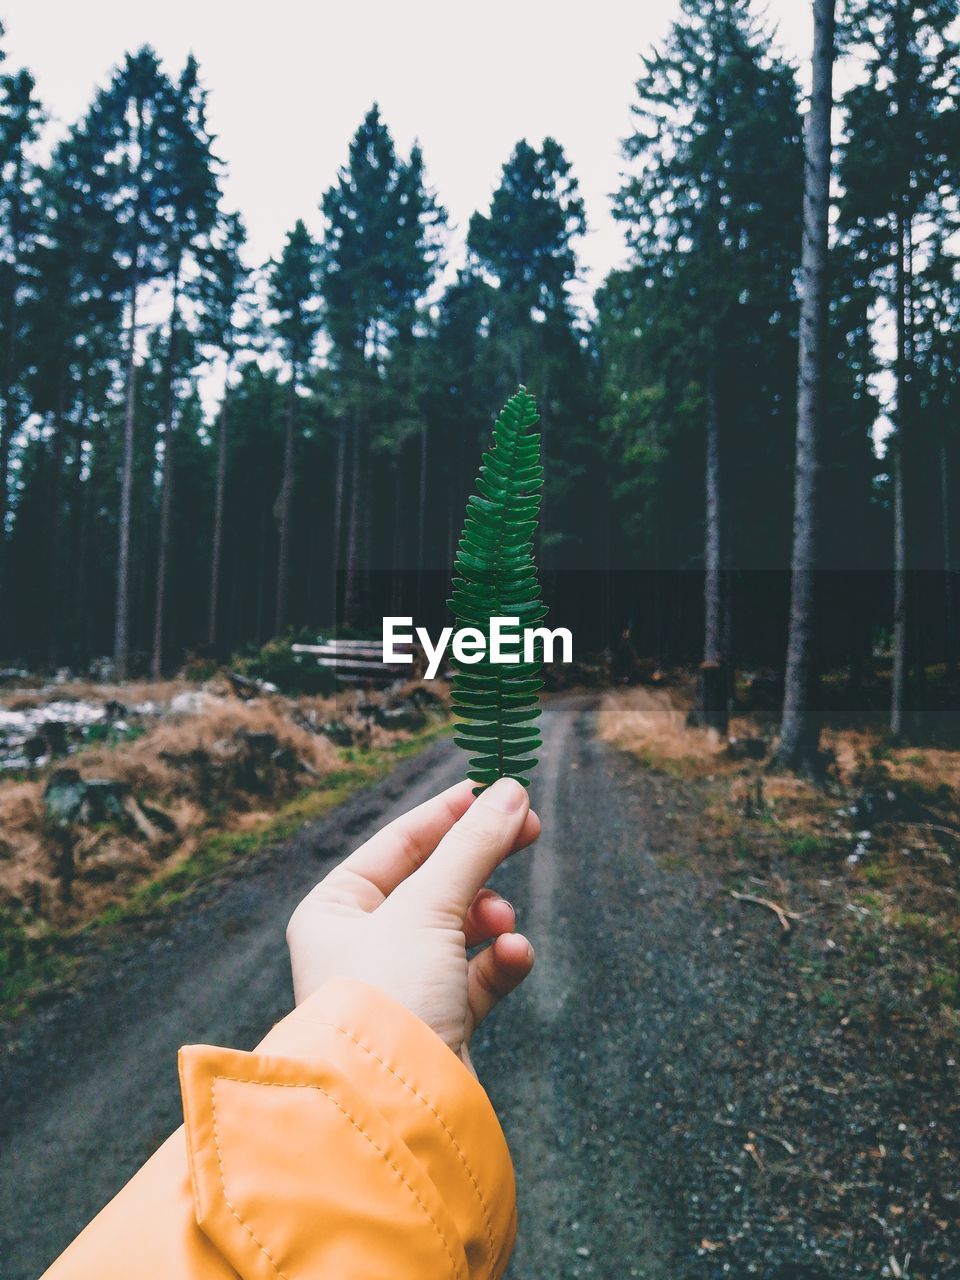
(861, 867)
(35, 966)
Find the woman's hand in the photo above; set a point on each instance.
(401, 911)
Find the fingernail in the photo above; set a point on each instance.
(506, 794)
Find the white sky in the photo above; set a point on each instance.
(290, 80)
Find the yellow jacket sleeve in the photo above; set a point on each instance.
(350, 1145)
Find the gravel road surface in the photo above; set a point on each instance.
(630, 1071)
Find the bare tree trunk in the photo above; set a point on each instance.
(799, 731)
(82, 612)
(712, 644)
(949, 612)
(353, 527)
(396, 585)
(284, 511)
(8, 425)
(712, 694)
(421, 516)
(339, 481)
(261, 575)
(218, 502)
(121, 632)
(53, 547)
(166, 484)
(898, 679)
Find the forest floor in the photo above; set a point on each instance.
(116, 799)
(690, 1089)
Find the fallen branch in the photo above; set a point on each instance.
(783, 914)
(929, 826)
(790, 1149)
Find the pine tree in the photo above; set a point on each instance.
(712, 215)
(225, 327)
(130, 119)
(73, 315)
(380, 254)
(20, 122)
(293, 296)
(799, 735)
(526, 248)
(190, 216)
(899, 163)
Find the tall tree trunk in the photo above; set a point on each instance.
(55, 599)
(337, 539)
(712, 586)
(261, 576)
(218, 501)
(946, 533)
(421, 518)
(121, 632)
(799, 730)
(396, 585)
(712, 698)
(351, 571)
(83, 625)
(8, 424)
(898, 679)
(166, 484)
(285, 510)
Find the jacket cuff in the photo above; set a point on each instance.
(352, 1067)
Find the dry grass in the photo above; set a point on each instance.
(132, 694)
(652, 723)
(870, 856)
(224, 765)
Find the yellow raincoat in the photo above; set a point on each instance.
(352, 1144)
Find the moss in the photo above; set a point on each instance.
(29, 963)
(805, 846)
(946, 983)
(879, 874)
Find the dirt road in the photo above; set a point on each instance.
(631, 1071)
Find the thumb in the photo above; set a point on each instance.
(467, 855)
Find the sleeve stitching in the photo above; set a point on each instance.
(488, 1226)
(275, 1084)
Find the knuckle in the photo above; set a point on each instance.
(481, 827)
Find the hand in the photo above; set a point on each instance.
(401, 911)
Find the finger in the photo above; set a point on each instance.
(489, 915)
(497, 971)
(529, 832)
(399, 848)
(463, 860)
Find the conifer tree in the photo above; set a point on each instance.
(712, 212)
(190, 216)
(20, 121)
(224, 328)
(380, 253)
(130, 124)
(526, 248)
(799, 734)
(293, 295)
(900, 166)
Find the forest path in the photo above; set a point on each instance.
(602, 1059)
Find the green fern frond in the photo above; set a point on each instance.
(495, 576)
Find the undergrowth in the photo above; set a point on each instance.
(37, 960)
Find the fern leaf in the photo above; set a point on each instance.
(495, 576)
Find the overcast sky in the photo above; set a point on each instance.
(290, 80)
